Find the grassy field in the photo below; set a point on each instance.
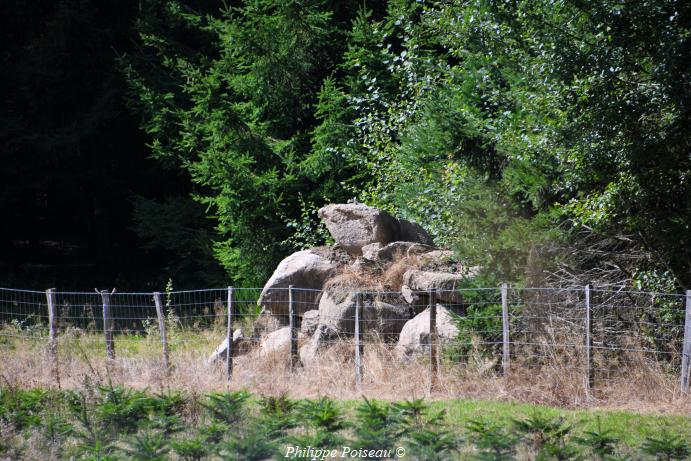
(87, 407)
(25, 363)
(113, 422)
(631, 427)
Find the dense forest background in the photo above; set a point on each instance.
(547, 141)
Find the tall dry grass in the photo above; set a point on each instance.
(542, 374)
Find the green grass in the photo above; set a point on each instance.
(632, 428)
(113, 422)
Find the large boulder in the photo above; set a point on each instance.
(371, 251)
(337, 310)
(446, 261)
(415, 335)
(398, 250)
(386, 319)
(337, 313)
(411, 297)
(266, 323)
(310, 321)
(438, 257)
(304, 270)
(240, 346)
(364, 267)
(355, 225)
(274, 342)
(444, 284)
(321, 338)
(410, 231)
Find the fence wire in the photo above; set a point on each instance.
(527, 330)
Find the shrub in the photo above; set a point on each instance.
(191, 449)
(376, 426)
(493, 443)
(146, 446)
(666, 447)
(228, 408)
(601, 442)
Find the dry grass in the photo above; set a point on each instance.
(392, 278)
(374, 276)
(556, 379)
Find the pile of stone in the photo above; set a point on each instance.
(392, 264)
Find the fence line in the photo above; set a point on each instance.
(591, 330)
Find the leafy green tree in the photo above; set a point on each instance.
(496, 123)
(580, 99)
(231, 101)
(507, 129)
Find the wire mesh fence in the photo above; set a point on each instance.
(584, 341)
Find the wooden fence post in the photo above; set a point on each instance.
(506, 356)
(229, 336)
(163, 331)
(433, 341)
(108, 323)
(294, 356)
(588, 344)
(358, 344)
(686, 350)
(52, 334)
(361, 326)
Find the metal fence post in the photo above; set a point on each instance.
(52, 334)
(162, 329)
(433, 340)
(506, 356)
(229, 336)
(294, 356)
(686, 350)
(588, 344)
(358, 344)
(108, 324)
